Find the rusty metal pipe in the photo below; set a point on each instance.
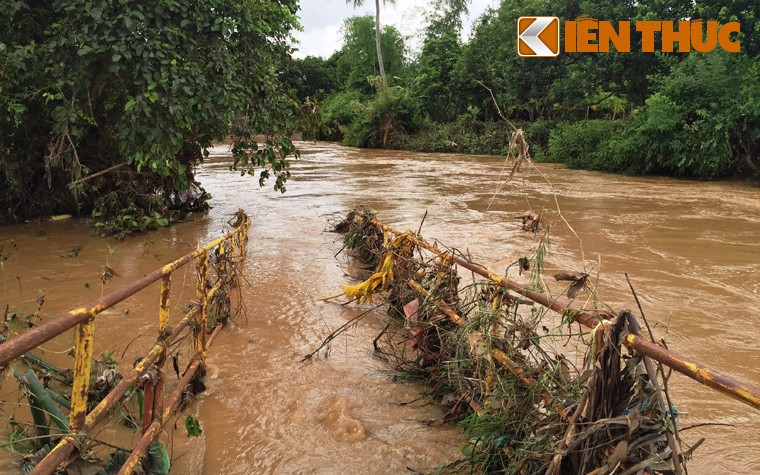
(16, 347)
(720, 382)
(589, 318)
(66, 446)
(151, 433)
(743, 392)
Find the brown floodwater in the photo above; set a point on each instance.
(692, 250)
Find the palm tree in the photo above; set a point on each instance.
(358, 3)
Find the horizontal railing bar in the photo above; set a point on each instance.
(66, 445)
(720, 382)
(743, 392)
(589, 318)
(18, 346)
(155, 427)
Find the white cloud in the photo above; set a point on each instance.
(322, 21)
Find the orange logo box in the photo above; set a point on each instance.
(538, 36)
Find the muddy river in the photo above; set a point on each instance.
(692, 250)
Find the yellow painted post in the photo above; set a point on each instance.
(163, 313)
(232, 249)
(244, 249)
(222, 267)
(200, 319)
(80, 386)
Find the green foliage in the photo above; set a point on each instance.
(18, 443)
(134, 91)
(357, 60)
(158, 462)
(575, 144)
(129, 220)
(692, 115)
(338, 112)
(746, 12)
(703, 121)
(312, 77)
(193, 427)
(391, 112)
(437, 63)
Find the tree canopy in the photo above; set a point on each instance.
(685, 114)
(108, 105)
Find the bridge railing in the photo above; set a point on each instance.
(744, 392)
(229, 251)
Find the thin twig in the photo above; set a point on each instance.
(641, 310)
(707, 424)
(96, 174)
(419, 230)
(495, 103)
(340, 330)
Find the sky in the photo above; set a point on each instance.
(322, 21)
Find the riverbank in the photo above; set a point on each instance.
(582, 145)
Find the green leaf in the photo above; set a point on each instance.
(158, 459)
(19, 444)
(193, 427)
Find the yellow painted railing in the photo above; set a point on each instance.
(229, 249)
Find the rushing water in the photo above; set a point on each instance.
(690, 248)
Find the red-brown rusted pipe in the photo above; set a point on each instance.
(589, 318)
(720, 382)
(66, 446)
(743, 392)
(150, 434)
(147, 406)
(15, 347)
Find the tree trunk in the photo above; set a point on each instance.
(377, 41)
(750, 162)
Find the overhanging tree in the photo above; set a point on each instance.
(106, 106)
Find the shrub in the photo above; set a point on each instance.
(393, 111)
(703, 121)
(338, 112)
(577, 144)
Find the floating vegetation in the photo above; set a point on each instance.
(493, 359)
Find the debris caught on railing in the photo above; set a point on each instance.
(493, 359)
(96, 386)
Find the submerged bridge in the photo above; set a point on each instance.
(217, 265)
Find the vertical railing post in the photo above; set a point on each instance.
(81, 383)
(158, 393)
(244, 237)
(163, 332)
(163, 313)
(200, 318)
(232, 250)
(148, 402)
(221, 261)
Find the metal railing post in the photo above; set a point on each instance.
(163, 313)
(149, 369)
(81, 383)
(199, 331)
